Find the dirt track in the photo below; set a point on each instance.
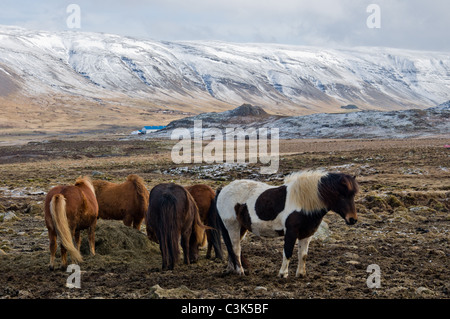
(403, 208)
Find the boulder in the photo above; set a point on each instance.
(8, 216)
(182, 292)
(248, 110)
(323, 233)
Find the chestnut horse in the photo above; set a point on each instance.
(293, 210)
(204, 196)
(68, 210)
(127, 201)
(173, 214)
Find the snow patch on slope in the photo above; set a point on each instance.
(284, 79)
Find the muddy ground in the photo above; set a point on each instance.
(403, 223)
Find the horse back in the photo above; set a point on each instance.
(184, 206)
(246, 202)
(238, 192)
(115, 200)
(110, 198)
(163, 193)
(203, 196)
(81, 207)
(166, 217)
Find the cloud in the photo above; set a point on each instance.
(414, 24)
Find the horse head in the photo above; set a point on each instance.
(338, 192)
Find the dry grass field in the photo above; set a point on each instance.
(403, 226)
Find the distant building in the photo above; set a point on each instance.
(147, 129)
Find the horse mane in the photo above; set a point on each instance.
(139, 185)
(302, 190)
(99, 184)
(86, 180)
(198, 227)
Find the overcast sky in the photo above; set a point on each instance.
(411, 24)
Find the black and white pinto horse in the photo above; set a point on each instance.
(294, 210)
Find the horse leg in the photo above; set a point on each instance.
(244, 262)
(302, 253)
(193, 248)
(185, 237)
(289, 242)
(128, 220)
(91, 235)
(78, 239)
(208, 252)
(217, 251)
(137, 223)
(53, 246)
(236, 236)
(63, 257)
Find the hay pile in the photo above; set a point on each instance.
(114, 238)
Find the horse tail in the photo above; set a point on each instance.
(225, 235)
(167, 229)
(59, 216)
(214, 221)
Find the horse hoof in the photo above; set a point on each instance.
(283, 275)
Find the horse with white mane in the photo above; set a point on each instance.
(293, 210)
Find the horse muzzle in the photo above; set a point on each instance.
(351, 221)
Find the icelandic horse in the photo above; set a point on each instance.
(68, 209)
(127, 201)
(204, 196)
(173, 214)
(293, 210)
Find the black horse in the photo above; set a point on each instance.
(173, 214)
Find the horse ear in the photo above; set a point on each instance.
(354, 177)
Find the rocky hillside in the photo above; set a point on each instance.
(363, 124)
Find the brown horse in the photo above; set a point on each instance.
(205, 196)
(68, 210)
(173, 214)
(127, 201)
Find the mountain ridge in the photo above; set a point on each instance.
(75, 72)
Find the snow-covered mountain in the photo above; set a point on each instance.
(289, 80)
